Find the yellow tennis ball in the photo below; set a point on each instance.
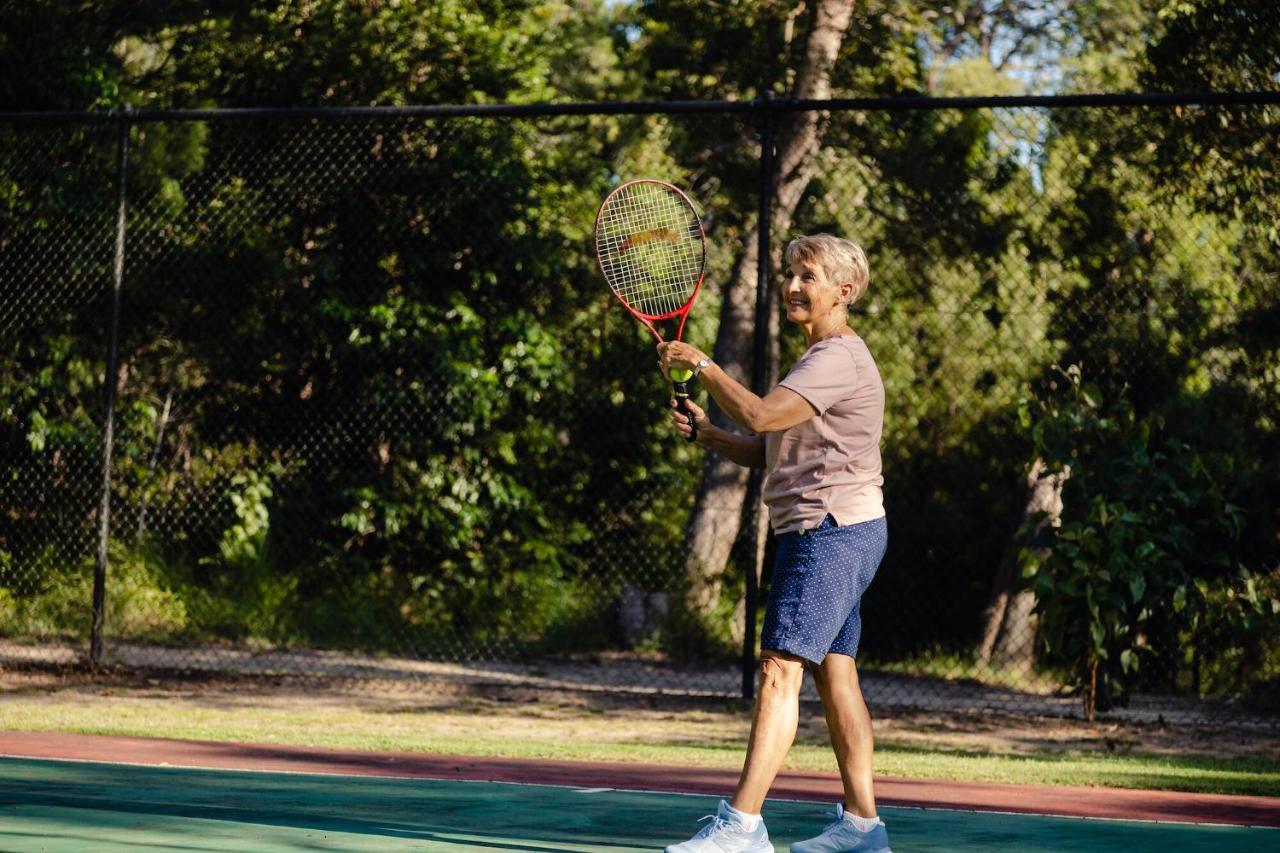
(679, 374)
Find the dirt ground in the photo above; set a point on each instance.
(543, 713)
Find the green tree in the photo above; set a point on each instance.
(1165, 239)
(300, 294)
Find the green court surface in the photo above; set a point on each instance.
(51, 805)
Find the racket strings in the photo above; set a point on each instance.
(650, 246)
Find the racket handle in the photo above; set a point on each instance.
(682, 395)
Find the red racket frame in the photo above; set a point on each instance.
(683, 311)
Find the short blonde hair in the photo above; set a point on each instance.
(841, 260)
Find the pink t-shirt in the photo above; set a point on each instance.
(831, 462)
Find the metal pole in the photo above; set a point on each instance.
(108, 430)
(759, 373)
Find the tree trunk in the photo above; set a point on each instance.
(1009, 623)
(718, 509)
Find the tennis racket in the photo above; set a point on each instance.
(653, 253)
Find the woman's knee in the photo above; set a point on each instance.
(836, 674)
(781, 671)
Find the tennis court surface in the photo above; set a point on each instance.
(86, 793)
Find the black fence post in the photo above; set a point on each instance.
(108, 429)
(759, 374)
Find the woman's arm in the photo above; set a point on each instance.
(744, 450)
(780, 409)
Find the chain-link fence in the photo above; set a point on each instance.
(374, 413)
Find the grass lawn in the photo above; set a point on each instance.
(532, 725)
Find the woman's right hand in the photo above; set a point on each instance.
(681, 422)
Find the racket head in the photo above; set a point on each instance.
(651, 248)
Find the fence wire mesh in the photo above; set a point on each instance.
(376, 415)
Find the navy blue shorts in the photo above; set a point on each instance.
(818, 581)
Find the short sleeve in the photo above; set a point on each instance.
(824, 375)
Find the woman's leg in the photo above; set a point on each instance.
(849, 724)
(773, 727)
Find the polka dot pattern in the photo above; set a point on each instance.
(819, 578)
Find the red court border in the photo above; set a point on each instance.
(1115, 803)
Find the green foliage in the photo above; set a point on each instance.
(1146, 551)
(1237, 645)
(244, 593)
(1220, 45)
(142, 605)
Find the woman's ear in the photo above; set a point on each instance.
(846, 293)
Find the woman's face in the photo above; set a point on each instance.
(807, 293)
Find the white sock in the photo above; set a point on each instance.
(749, 821)
(862, 824)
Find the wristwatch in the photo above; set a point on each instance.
(701, 366)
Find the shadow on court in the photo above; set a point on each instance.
(77, 806)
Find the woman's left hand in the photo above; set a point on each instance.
(678, 354)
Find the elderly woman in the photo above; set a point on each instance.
(818, 436)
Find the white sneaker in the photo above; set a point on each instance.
(841, 836)
(725, 835)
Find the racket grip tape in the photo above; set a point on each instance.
(682, 395)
